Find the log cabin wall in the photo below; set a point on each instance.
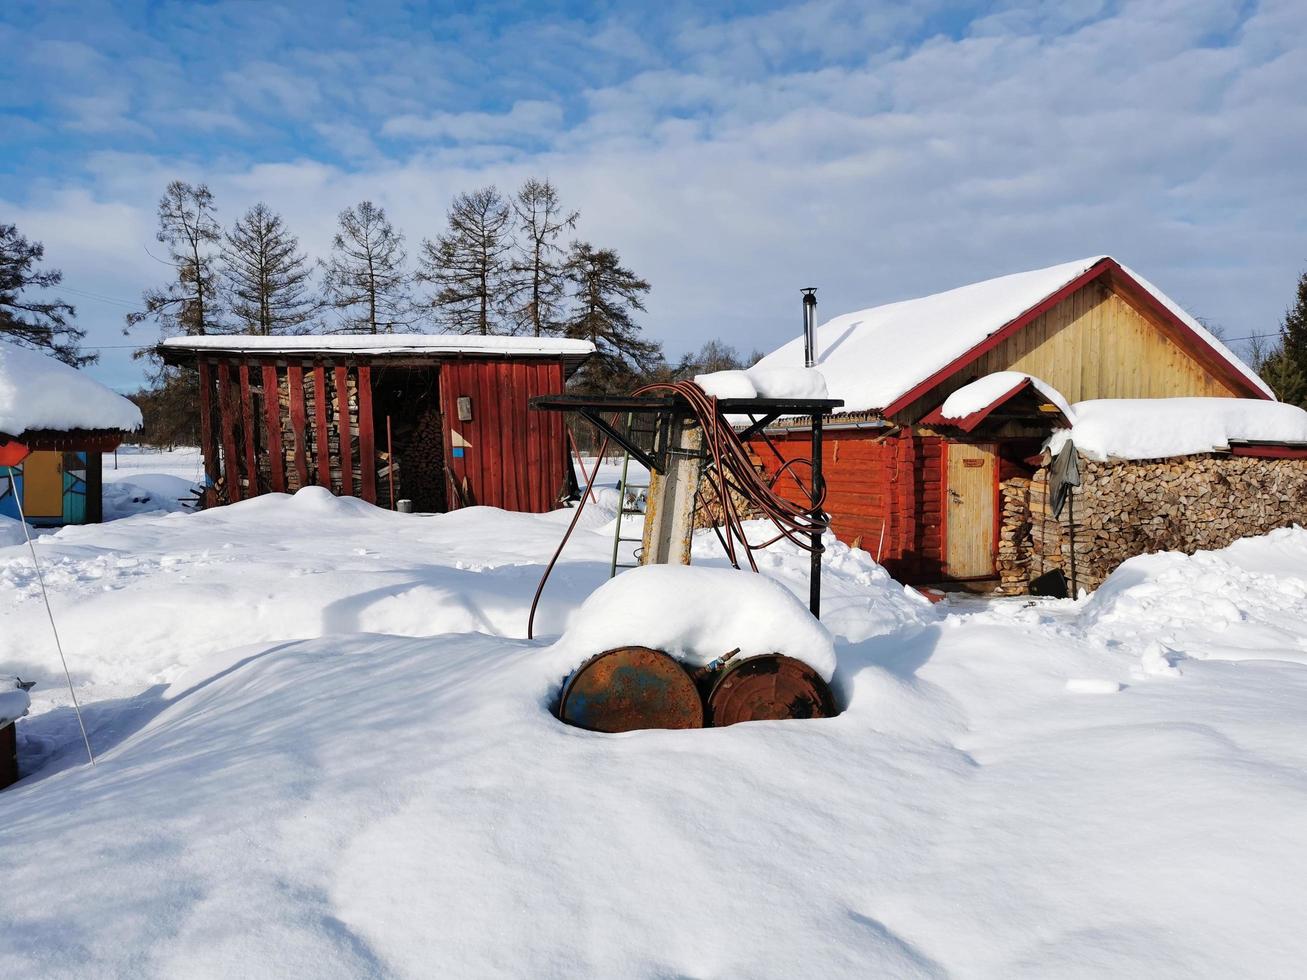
(505, 455)
(1096, 343)
(884, 493)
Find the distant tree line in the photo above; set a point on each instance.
(501, 265)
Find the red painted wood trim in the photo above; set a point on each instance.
(321, 443)
(342, 426)
(247, 423)
(1212, 359)
(207, 448)
(1270, 452)
(943, 511)
(295, 381)
(367, 445)
(272, 421)
(231, 464)
(998, 507)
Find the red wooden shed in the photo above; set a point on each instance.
(437, 419)
(918, 487)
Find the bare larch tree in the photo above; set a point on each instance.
(365, 278)
(266, 277)
(469, 265)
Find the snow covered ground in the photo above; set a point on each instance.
(140, 480)
(326, 749)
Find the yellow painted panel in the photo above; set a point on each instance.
(43, 485)
(969, 532)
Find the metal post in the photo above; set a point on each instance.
(814, 571)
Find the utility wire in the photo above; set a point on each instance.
(77, 708)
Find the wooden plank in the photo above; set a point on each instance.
(342, 425)
(231, 465)
(272, 428)
(367, 443)
(207, 448)
(248, 423)
(489, 453)
(536, 477)
(516, 458)
(321, 444)
(295, 380)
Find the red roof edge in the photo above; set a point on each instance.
(967, 423)
(1211, 357)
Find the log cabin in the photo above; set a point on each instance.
(918, 483)
(440, 420)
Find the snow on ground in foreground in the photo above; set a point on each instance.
(287, 787)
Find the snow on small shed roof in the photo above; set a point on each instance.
(1156, 428)
(38, 392)
(873, 357)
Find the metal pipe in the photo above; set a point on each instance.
(816, 492)
(809, 326)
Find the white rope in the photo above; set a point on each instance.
(77, 708)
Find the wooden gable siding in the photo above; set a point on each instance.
(884, 492)
(1094, 344)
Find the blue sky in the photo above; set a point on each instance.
(731, 153)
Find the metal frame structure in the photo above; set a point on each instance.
(670, 410)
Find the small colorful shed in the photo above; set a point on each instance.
(55, 424)
(952, 396)
(441, 420)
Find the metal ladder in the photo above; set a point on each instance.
(628, 505)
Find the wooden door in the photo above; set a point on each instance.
(43, 485)
(970, 511)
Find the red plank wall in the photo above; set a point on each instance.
(878, 484)
(511, 456)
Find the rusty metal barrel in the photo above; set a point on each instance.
(630, 688)
(768, 688)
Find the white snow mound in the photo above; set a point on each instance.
(697, 615)
(39, 392)
(1155, 428)
(760, 382)
(14, 701)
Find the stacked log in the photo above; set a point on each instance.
(1013, 559)
(1186, 504)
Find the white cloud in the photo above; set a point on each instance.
(1170, 136)
(531, 118)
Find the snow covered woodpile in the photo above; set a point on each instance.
(437, 419)
(55, 423)
(1125, 508)
(951, 397)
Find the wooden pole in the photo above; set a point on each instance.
(390, 456)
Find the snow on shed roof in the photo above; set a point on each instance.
(38, 392)
(1155, 428)
(873, 357)
(969, 405)
(409, 343)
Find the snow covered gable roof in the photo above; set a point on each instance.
(971, 404)
(880, 359)
(39, 393)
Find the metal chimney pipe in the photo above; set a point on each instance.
(809, 326)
